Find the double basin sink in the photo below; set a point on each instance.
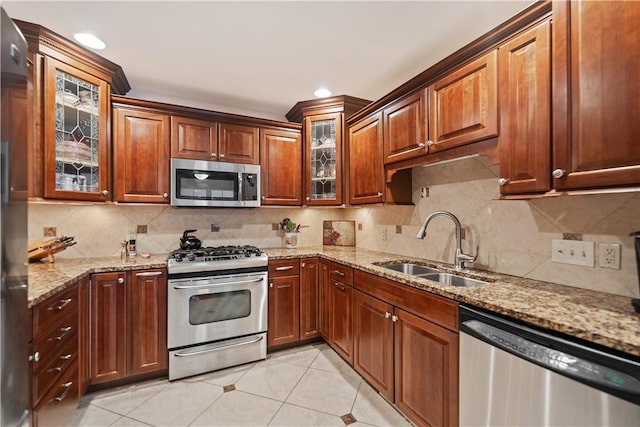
(429, 273)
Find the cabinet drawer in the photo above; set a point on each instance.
(58, 405)
(341, 273)
(52, 309)
(48, 343)
(54, 367)
(428, 306)
(284, 267)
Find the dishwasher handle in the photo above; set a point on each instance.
(607, 372)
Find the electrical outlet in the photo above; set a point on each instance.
(49, 232)
(383, 234)
(215, 227)
(609, 255)
(359, 226)
(141, 229)
(398, 229)
(424, 192)
(575, 252)
(275, 226)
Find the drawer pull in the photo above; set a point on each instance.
(339, 273)
(288, 267)
(387, 315)
(339, 286)
(59, 368)
(64, 331)
(394, 318)
(63, 304)
(149, 274)
(34, 357)
(67, 387)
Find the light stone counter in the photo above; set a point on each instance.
(605, 319)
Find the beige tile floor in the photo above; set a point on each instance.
(304, 386)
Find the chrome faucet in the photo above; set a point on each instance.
(461, 258)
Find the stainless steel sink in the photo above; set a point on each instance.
(452, 279)
(430, 273)
(410, 268)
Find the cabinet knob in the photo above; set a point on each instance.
(421, 144)
(165, 195)
(120, 280)
(264, 197)
(271, 285)
(430, 143)
(502, 181)
(221, 156)
(379, 194)
(34, 357)
(303, 264)
(308, 198)
(394, 318)
(105, 192)
(213, 154)
(387, 315)
(558, 173)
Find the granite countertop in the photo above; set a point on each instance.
(605, 319)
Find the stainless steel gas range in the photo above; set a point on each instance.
(217, 309)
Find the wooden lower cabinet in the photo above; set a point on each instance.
(342, 324)
(411, 360)
(128, 324)
(373, 342)
(426, 371)
(309, 298)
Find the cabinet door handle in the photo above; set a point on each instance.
(502, 181)
(67, 387)
(394, 318)
(64, 331)
(387, 315)
(307, 198)
(271, 285)
(339, 273)
(165, 195)
(63, 304)
(421, 144)
(34, 357)
(288, 267)
(304, 264)
(379, 194)
(430, 143)
(147, 274)
(120, 280)
(558, 173)
(339, 286)
(264, 197)
(221, 156)
(59, 368)
(105, 192)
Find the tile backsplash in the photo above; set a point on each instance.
(513, 237)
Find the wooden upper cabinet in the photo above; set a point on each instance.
(596, 94)
(194, 139)
(238, 144)
(76, 134)
(524, 64)
(323, 159)
(366, 175)
(141, 150)
(405, 128)
(463, 105)
(281, 167)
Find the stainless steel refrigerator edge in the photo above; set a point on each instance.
(14, 374)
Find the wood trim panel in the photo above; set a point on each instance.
(435, 308)
(342, 319)
(343, 103)
(524, 65)
(309, 298)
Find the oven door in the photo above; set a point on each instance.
(214, 308)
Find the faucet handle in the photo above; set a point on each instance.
(468, 258)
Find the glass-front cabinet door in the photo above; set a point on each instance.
(75, 134)
(323, 139)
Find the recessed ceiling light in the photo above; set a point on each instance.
(323, 92)
(89, 40)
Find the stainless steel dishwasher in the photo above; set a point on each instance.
(516, 375)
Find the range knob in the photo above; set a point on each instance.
(191, 257)
(178, 257)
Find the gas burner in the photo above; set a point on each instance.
(216, 258)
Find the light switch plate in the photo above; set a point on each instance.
(575, 252)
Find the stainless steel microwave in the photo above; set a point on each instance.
(214, 184)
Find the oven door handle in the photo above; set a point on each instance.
(195, 353)
(209, 285)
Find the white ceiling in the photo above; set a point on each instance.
(260, 58)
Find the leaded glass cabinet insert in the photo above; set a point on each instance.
(77, 134)
(323, 159)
